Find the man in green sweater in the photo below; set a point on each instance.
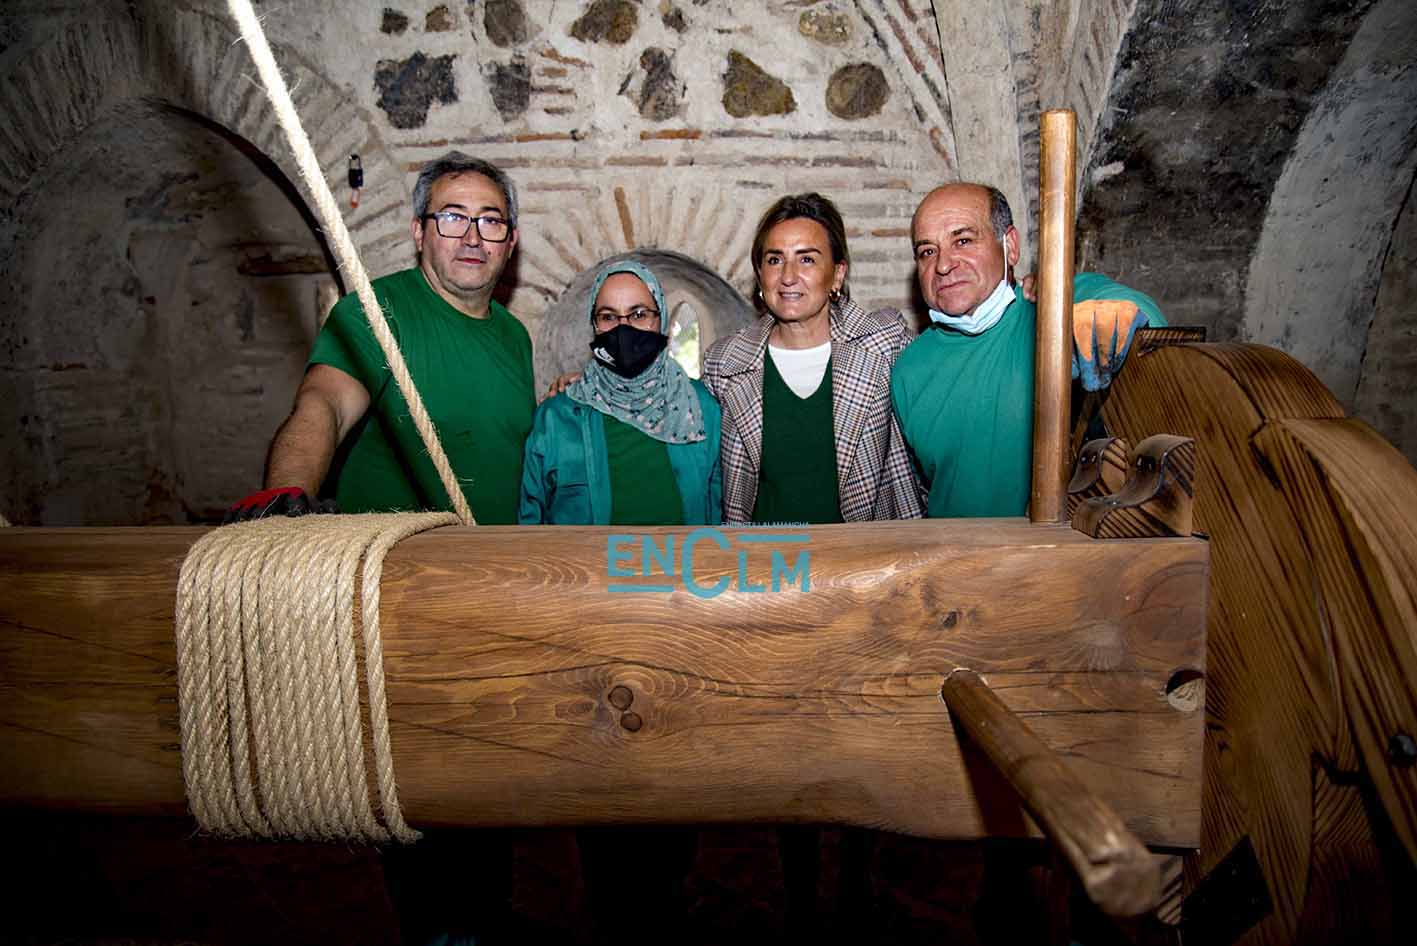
(350, 436)
(963, 390)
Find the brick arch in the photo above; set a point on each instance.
(196, 62)
(982, 98)
(904, 30)
(1077, 49)
(711, 224)
(560, 343)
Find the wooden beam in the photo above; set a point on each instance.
(524, 690)
(1117, 872)
(1052, 391)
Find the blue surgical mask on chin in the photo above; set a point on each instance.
(987, 314)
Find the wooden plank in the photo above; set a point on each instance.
(523, 691)
(1052, 387)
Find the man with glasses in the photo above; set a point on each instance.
(470, 359)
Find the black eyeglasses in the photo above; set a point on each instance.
(638, 317)
(455, 226)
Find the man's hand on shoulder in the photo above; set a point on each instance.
(283, 501)
(1029, 285)
(1102, 334)
(561, 383)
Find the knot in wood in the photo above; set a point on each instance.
(621, 697)
(631, 721)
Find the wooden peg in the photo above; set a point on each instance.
(1156, 499)
(1115, 868)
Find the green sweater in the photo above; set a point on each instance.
(643, 491)
(798, 483)
(475, 378)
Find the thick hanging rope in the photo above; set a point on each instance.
(343, 246)
(268, 689)
(272, 738)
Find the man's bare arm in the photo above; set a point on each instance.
(328, 404)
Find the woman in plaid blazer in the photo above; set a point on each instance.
(800, 258)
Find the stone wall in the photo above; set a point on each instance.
(1206, 104)
(1314, 275)
(1389, 368)
(673, 126)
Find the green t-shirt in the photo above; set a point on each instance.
(965, 406)
(798, 479)
(475, 378)
(643, 490)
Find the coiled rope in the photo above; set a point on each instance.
(272, 739)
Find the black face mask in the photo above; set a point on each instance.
(626, 350)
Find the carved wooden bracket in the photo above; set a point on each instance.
(1101, 469)
(1156, 499)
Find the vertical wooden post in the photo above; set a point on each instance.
(1052, 388)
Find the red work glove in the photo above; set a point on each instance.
(284, 501)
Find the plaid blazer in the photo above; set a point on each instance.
(874, 472)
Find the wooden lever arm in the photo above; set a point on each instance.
(1117, 871)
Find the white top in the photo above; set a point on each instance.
(802, 368)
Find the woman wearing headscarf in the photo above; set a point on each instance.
(808, 432)
(635, 441)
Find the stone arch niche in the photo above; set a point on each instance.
(563, 342)
(165, 291)
(162, 262)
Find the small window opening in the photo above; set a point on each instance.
(684, 339)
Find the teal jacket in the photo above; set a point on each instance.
(566, 472)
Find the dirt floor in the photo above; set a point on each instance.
(88, 881)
